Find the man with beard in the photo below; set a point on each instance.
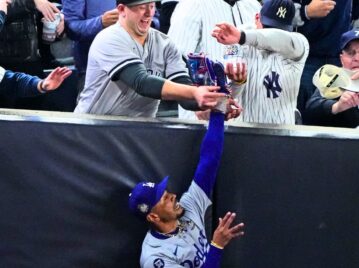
(177, 235)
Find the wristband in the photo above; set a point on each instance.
(216, 245)
(41, 89)
(239, 83)
(242, 38)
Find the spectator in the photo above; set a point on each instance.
(19, 40)
(131, 66)
(275, 59)
(177, 236)
(192, 23)
(322, 23)
(84, 19)
(342, 110)
(21, 49)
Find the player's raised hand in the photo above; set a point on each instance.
(224, 233)
(109, 17)
(226, 33)
(55, 78)
(207, 97)
(320, 8)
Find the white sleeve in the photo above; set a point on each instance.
(185, 30)
(291, 45)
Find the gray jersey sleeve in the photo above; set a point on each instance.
(175, 65)
(290, 45)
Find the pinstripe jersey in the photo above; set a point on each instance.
(275, 61)
(113, 50)
(192, 23)
(189, 247)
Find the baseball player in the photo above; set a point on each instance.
(177, 236)
(131, 66)
(29, 86)
(192, 23)
(275, 61)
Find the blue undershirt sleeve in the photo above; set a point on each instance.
(213, 259)
(24, 85)
(210, 154)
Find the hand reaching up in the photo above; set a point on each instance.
(55, 79)
(224, 233)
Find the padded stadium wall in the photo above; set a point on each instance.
(65, 182)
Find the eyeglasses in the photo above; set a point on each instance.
(351, 52)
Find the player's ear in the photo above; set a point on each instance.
(152, 217)
(121, 8)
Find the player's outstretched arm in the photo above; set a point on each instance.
(210, 155)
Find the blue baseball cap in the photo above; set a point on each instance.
(278, 14)
(347, 37)
(145, 196)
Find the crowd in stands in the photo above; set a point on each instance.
(121, 67)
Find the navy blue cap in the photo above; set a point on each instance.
(348, 37)
(278, 14)
(145, 196)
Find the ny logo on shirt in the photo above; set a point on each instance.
(272, 85)
(281, 12)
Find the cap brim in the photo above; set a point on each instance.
(275, 24)
(348, 41)
(140, 2)
(161, 188)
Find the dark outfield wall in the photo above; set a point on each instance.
(65, 182)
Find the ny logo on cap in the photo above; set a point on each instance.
(356, 33)
(281, 12)
(149, 184)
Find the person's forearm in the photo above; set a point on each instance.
(191, 105)
(290, 45)
(175, 91)
(23, 84)
(83, 30)
(210, 155)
